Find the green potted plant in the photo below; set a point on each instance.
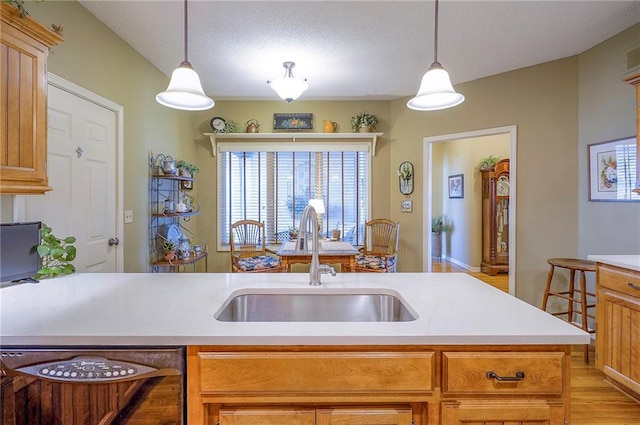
(55, 254)
(169, 250)
(186, 168)
(439, 224)
(488, 162)
(229, 127)
(363, 122)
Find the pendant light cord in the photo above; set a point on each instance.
(435, 39)
(186, 31)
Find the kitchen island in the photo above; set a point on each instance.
(472, 352)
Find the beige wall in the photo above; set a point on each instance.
(558, 108)
(607, 112)
(542, 102)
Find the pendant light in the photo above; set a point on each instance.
(436, 91)
(185, 90)
(288, 87)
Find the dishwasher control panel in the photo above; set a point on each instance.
(87, 368)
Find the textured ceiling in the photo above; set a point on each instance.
(358, 50)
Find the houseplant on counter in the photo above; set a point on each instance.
(363, 122)
(55, 254)
(439, 225)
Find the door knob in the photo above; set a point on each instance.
(114, 241)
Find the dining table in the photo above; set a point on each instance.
(329, 252)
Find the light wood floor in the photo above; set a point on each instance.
(593, 400)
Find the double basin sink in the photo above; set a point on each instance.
(312, 306)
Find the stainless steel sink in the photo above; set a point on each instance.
(310, 307)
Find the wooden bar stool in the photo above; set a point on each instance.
(573, 295)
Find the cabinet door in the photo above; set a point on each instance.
(364, 416)
(284, 416)
(23, 103)
(619, 337)
(485, 412)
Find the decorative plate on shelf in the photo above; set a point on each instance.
(170, 232)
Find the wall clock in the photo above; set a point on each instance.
(218, 124)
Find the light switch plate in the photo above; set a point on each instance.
(128, 216)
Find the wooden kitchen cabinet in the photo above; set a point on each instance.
(495, 218)
(23, 103)
(424, 385)
(617, 327)
(635, 80)
(307, 416)
(282, 416)
(503, 412)
(363, 416)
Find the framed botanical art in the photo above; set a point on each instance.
(456, 186)
(612, 170)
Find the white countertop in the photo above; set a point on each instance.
(178, 309)
(631, 262)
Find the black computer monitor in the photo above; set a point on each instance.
(18, 255)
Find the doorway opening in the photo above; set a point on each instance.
(430, 145)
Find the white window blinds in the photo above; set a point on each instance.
(274, 185)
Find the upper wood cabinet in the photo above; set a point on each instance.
(23, 103)
(635, 80)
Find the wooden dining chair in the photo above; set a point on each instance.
(249, 252)
(380, 250)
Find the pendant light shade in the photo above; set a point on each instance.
(288, 87)
(185, 90)
(436, 91)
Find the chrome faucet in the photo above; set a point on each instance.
(310, 219)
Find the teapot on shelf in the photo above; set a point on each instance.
(169, 166)
(253, 126)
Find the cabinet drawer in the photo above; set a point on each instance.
(621, 280)
(315, 372)
(469, 373)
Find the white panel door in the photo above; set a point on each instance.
(82, 171)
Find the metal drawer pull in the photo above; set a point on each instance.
(519, 377)
(631, 285)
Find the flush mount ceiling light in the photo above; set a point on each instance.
(185, 90)
(436, 91)
(288, 87)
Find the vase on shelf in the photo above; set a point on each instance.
(364, 129)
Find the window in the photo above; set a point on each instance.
(274, 186)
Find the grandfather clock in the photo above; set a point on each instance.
(495, 218)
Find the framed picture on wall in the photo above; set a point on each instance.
(456, 186)
(612, 170)
(298, 121)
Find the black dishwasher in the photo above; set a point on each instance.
(93, 386)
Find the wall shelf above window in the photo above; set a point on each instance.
(327, 139)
